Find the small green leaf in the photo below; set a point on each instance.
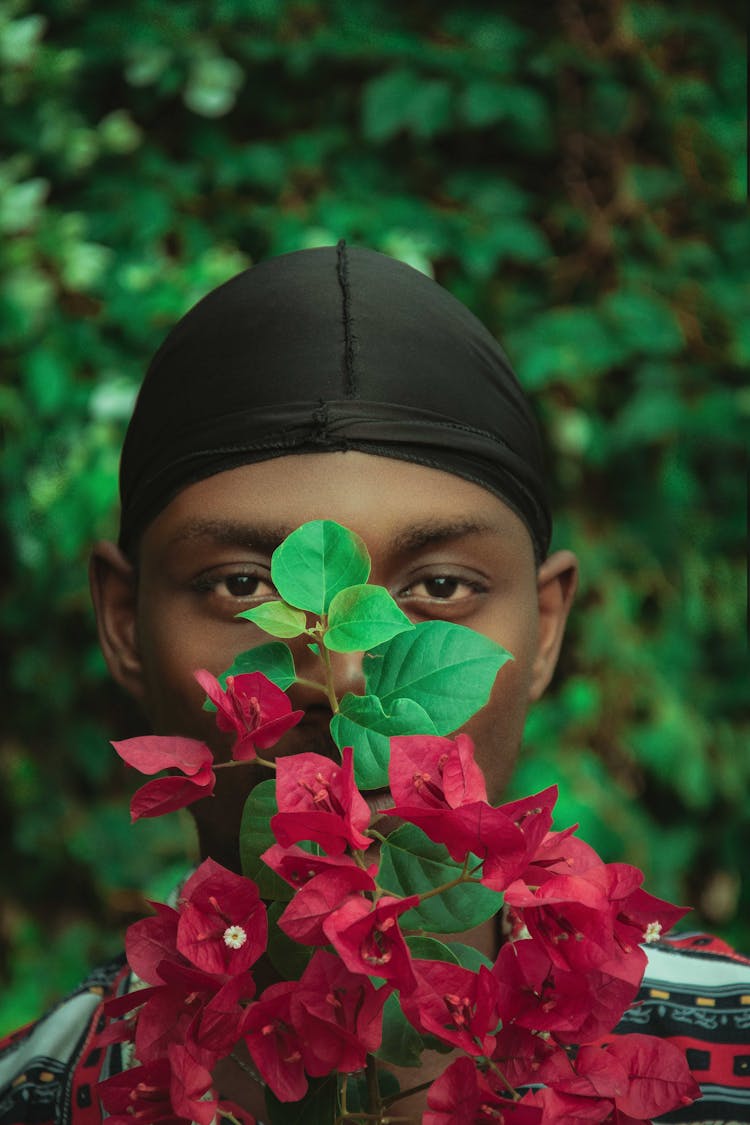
(274, 660)
(289, 958)
(361, 617)
(318, 1107)
(277, 618)
(362, 724)
(256, 836)
(315, 562)
(401, 1044)
(410, 863)
(446, 668)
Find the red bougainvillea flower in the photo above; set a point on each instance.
(638, 916)
(643, 1076)
(523, 1058)
(533, 815)
(274, 1044)
(168, 1091)
(150, 941)
(338, 1015)
(368, 940)
(252, 706)
(170, 1009)
(313, 904)
(461, 1096)
(437, 786)
(455, 1004)
(140, 1094)
(319, 801)
(571, 917)
(297, 867)
(538, 995)
(432, 772)
(223, 926)
(190, 1080)
(152, 753)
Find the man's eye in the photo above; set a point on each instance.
(236, 585)
(243, 585)
(442, 587)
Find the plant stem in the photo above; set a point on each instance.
(373, 1089)
(311, 684)
(256, 761)
(462, 878)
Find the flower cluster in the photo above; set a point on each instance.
(251, 706)
(530, 1031)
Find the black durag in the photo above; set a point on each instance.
(316, 351)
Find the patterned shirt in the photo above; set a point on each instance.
(696, 992)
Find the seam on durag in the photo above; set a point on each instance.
(342, 264)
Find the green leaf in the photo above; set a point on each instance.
(445, 668)
(430, 949)
(289, 958)
(362, 617)
(277, 618)
(410, 863)
(469, 957)
(318, 1107)
(362, 724)
(256, 836)
(401, 1044)
(274, 660)
(315, 562)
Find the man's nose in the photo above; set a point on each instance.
(346, 672)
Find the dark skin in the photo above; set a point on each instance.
(445, 548)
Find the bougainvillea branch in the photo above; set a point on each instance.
(357, 905)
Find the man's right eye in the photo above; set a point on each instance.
(236, 585)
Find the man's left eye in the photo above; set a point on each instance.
(442, 587)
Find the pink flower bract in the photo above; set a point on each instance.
(152, 753)
(319, 801)
(253, 707)
(223, 926)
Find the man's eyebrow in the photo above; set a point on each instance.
(434, 532)
(232, 533)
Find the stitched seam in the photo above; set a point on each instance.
(342, 268)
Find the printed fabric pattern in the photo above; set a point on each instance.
(696, 992)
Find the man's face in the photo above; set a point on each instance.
(446, 549)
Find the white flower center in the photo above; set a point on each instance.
(653, 932)
(235, 937)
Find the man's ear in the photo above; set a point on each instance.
(557, 579)
(113, 585)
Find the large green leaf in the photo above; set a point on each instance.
(318, 1107)
(256, 836)
(410, 863)
(445, 668)
(362, 724)
(361, 617)
(315, 562)
(277, 618)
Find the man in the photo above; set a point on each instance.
(338, 384)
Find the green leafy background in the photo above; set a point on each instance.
(575, 173)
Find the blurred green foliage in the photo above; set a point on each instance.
(575, 172)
